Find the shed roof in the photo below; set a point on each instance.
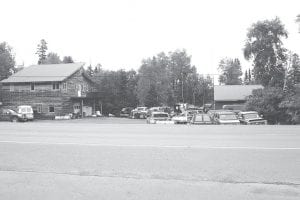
(233, 92)
(44, 73)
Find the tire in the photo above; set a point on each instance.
(14, 119)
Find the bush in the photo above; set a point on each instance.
(267, 102)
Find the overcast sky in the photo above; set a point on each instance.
(120, 33)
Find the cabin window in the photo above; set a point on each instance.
(32, 86)
(39, 108)
(55, 86)
(64, 86)
(51, 109)
(11, 87)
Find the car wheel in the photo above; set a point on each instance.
(14, 119)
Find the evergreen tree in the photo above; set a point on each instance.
(246, 78)
(41, 51)
(250, 75)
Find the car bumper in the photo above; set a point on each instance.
(257, 123)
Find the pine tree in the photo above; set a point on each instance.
(250, 75)
(41, 51)
(246, 79)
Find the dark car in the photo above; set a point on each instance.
(125, 112)
(201, 119)
(9, 115)
(251, 117)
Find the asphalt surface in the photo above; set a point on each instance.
(128, 159)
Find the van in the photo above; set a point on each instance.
(25, 112)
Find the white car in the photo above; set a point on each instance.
(139, 113)
(156, 117)
(181, 118)
(226, 117)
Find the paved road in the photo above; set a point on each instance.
(82, 160)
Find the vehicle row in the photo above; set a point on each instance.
(213, 117)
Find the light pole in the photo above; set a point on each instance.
(298, 21)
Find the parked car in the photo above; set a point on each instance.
(26, 112)
(181, 118)
(157, 116)
(211, 113)
(251, 117)
(125, 112)
(9, 115)
(164, 109)
(225, 117)
(201, 119)
(139, 113)
(191, 113)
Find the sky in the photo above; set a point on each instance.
(119, 34)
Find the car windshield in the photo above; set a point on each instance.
(25, 110)
(228, 117)
(206, 118)
(141, 108)
(160, 115)
(200, 118)
(251, 116)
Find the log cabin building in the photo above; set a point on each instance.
(51, 90)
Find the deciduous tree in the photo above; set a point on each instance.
(267, 102)
(7, 61)
(264, 46)
(68, 59)
(231, 71)
(52, 58)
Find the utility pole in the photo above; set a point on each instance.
(214, 92)
(182, 88)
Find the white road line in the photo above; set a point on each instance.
(153, 146)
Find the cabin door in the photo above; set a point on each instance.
(76, 108)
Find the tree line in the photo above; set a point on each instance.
(162, 80)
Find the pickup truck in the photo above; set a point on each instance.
(250, 118)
